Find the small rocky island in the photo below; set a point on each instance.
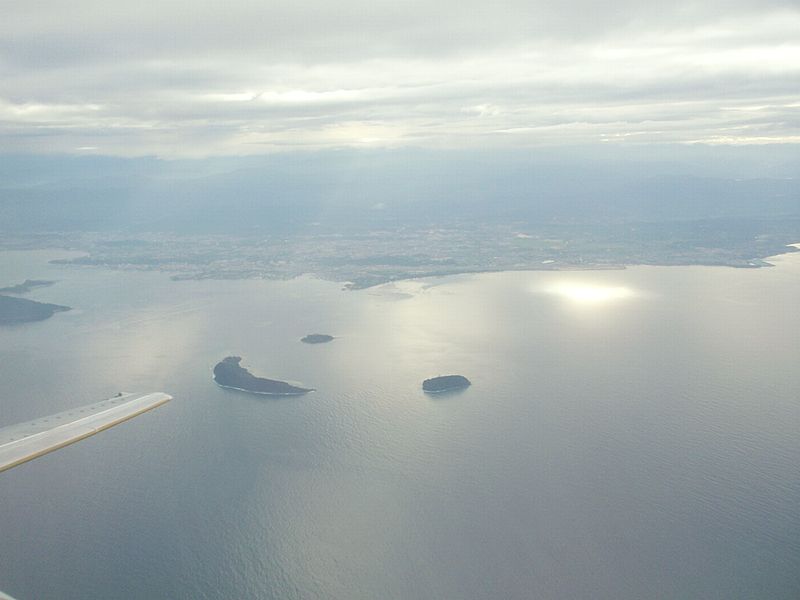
(14, 311)
(317, 338)
(445, 383)
(228, 373)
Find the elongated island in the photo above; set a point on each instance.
(228, 373)
(445, 383)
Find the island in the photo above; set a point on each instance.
(445, 383)
(228, 373)
(317, 338)
(26, 286)
(14, 311)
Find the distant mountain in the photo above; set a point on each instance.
(352, 191)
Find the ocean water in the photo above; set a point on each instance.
(629, 434)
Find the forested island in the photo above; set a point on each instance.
(228, 373)
(445, 383)
(14, 311)
(317, 338)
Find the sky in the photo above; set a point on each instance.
(196, 79)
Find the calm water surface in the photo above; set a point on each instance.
(628, 434)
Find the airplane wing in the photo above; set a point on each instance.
(26, 441)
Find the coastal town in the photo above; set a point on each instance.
(361, 259)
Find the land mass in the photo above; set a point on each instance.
(26, 286)
(317, 338)
(445, 383)
(408, 215)
(361, 260)
(14, 311)
(228, 373)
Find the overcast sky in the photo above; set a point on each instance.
(201, 78)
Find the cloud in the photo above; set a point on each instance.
(199, 78)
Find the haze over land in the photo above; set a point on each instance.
(369, 141)
(369, 216)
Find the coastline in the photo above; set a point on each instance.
(352, 281)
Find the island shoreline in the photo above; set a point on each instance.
(230, 387)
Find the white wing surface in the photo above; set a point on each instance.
(26, 441)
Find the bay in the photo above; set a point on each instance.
(628, 434)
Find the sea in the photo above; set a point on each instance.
(628, 434)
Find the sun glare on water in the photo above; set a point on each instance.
(581, 293)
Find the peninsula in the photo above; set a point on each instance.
(445, 383)
(228, 373)
(14, 311)
(317, 338)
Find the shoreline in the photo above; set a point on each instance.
(450, 389)
(354, 285)
(230, 387)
